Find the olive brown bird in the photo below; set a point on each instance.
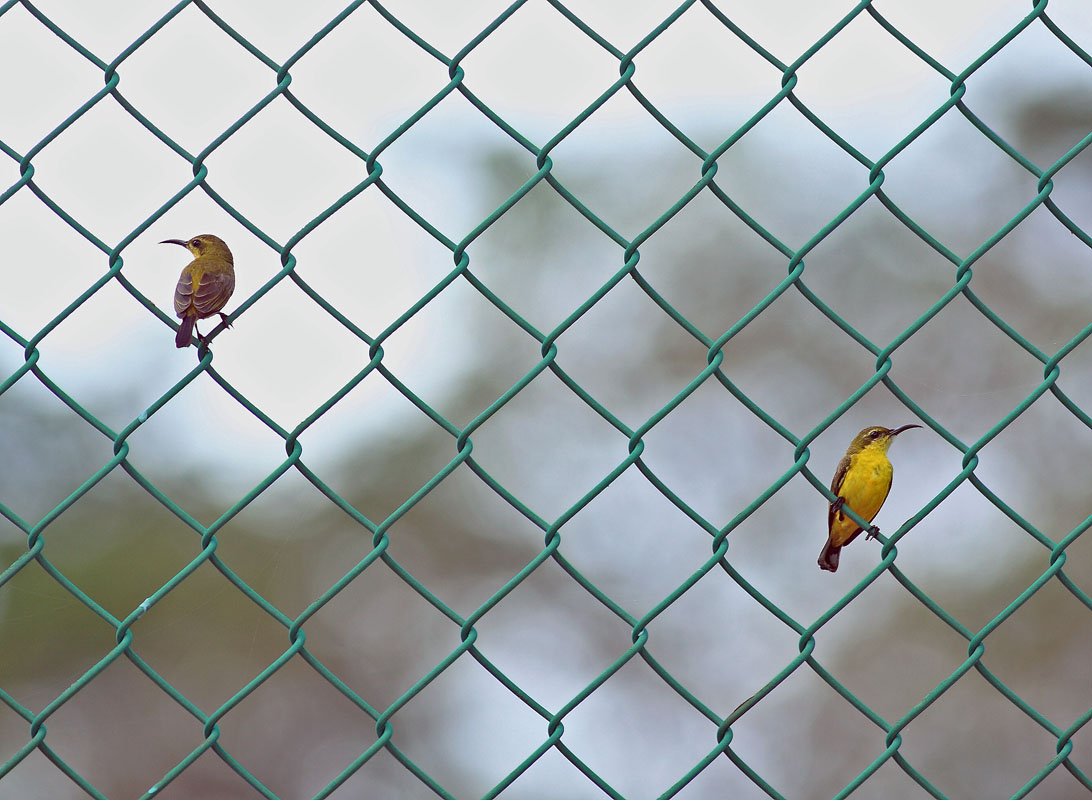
(862, 481)
(205, 285)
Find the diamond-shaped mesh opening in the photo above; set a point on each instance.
(551, 323)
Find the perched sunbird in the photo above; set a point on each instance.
(204, 286)
(862, 481)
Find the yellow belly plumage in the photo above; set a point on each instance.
(865, 487)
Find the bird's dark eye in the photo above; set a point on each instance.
(195, 243)
(875, 434)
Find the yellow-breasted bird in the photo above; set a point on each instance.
(205, 284)
(862, 481)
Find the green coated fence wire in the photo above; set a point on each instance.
(41, 722)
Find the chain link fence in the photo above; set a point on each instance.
(424, 616)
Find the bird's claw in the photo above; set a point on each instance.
(224, 319)
(873, 532)
(836, 506)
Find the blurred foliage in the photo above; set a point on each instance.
(550, 636)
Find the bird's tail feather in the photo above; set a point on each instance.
(828, 559)
(185, 331)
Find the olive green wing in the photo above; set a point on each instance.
(836, 487)
(213, 292)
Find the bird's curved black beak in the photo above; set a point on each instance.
(173, 241)
(897, 431)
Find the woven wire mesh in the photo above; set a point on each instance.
(451, 539)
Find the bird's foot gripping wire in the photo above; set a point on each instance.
(873, 532)
(836, 506)
(223, 317)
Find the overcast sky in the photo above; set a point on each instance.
(365, 78)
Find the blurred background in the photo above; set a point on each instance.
(287, 356)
